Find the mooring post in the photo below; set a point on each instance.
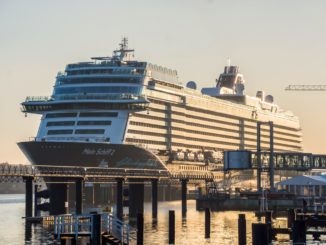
(207, 223)
(299, 231)
(73, 241)
(96, 229)
(35, 200)
(171, 227)
(291, 217)
(184, 196)
(268, 221)
(268, 217)
(79, 195)
(242, 229)
(136, 198)
(140, 229)
(260, 234)
(28, 231)
(154, 198)
(119, 199)
(29, 196)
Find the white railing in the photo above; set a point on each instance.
(37, 98)
(100, 97)
(82, 224)
(123, 97)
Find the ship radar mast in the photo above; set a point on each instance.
(123, 54)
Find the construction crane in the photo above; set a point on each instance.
(306, 88)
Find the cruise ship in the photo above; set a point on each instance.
(116, 111)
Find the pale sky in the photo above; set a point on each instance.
(275, 43)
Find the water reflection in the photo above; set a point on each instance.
(191, 230)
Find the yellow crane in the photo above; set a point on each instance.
(306, 88)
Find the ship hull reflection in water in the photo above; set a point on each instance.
(224, 225)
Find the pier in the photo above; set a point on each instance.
(184, 174)
(135, 181)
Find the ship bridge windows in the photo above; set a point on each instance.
(72, 80)
(115, 70)
(55, 115)
(61, 131)
(98, 114)
(94, 123)
(60, 123)
(226, 81)
(89, 131)
(99, 89)
(88, 71)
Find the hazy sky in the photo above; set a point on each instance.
(275, 43)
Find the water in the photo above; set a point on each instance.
(224, 229)
(12, 226)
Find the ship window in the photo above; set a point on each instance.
(94, 123)
(111, 89)
(72, 80)
(54, 115)
(63, 131)
(61, 123)
(227, 81)
(98, 114)
(89, 131)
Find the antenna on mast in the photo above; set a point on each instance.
(228, 61)
(123, 54)
(124, 43)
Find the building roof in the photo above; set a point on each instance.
(305, 180)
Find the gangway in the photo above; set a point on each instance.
(83, 225)
(297, 161)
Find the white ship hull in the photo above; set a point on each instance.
(119, 101)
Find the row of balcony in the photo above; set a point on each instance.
(87, 97)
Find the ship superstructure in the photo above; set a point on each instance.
(112, 110)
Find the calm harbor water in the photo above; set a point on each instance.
(188, 231)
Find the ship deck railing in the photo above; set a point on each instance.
(96, 139)
(131, 97)
(38, 98)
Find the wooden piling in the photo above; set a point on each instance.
(242, 229)
(140, 229)
(171, 227)
(299, 231)
(154, 198)
(96, 229)
(207, 223)
(260, 234)
(29, 196)
(291, 217)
